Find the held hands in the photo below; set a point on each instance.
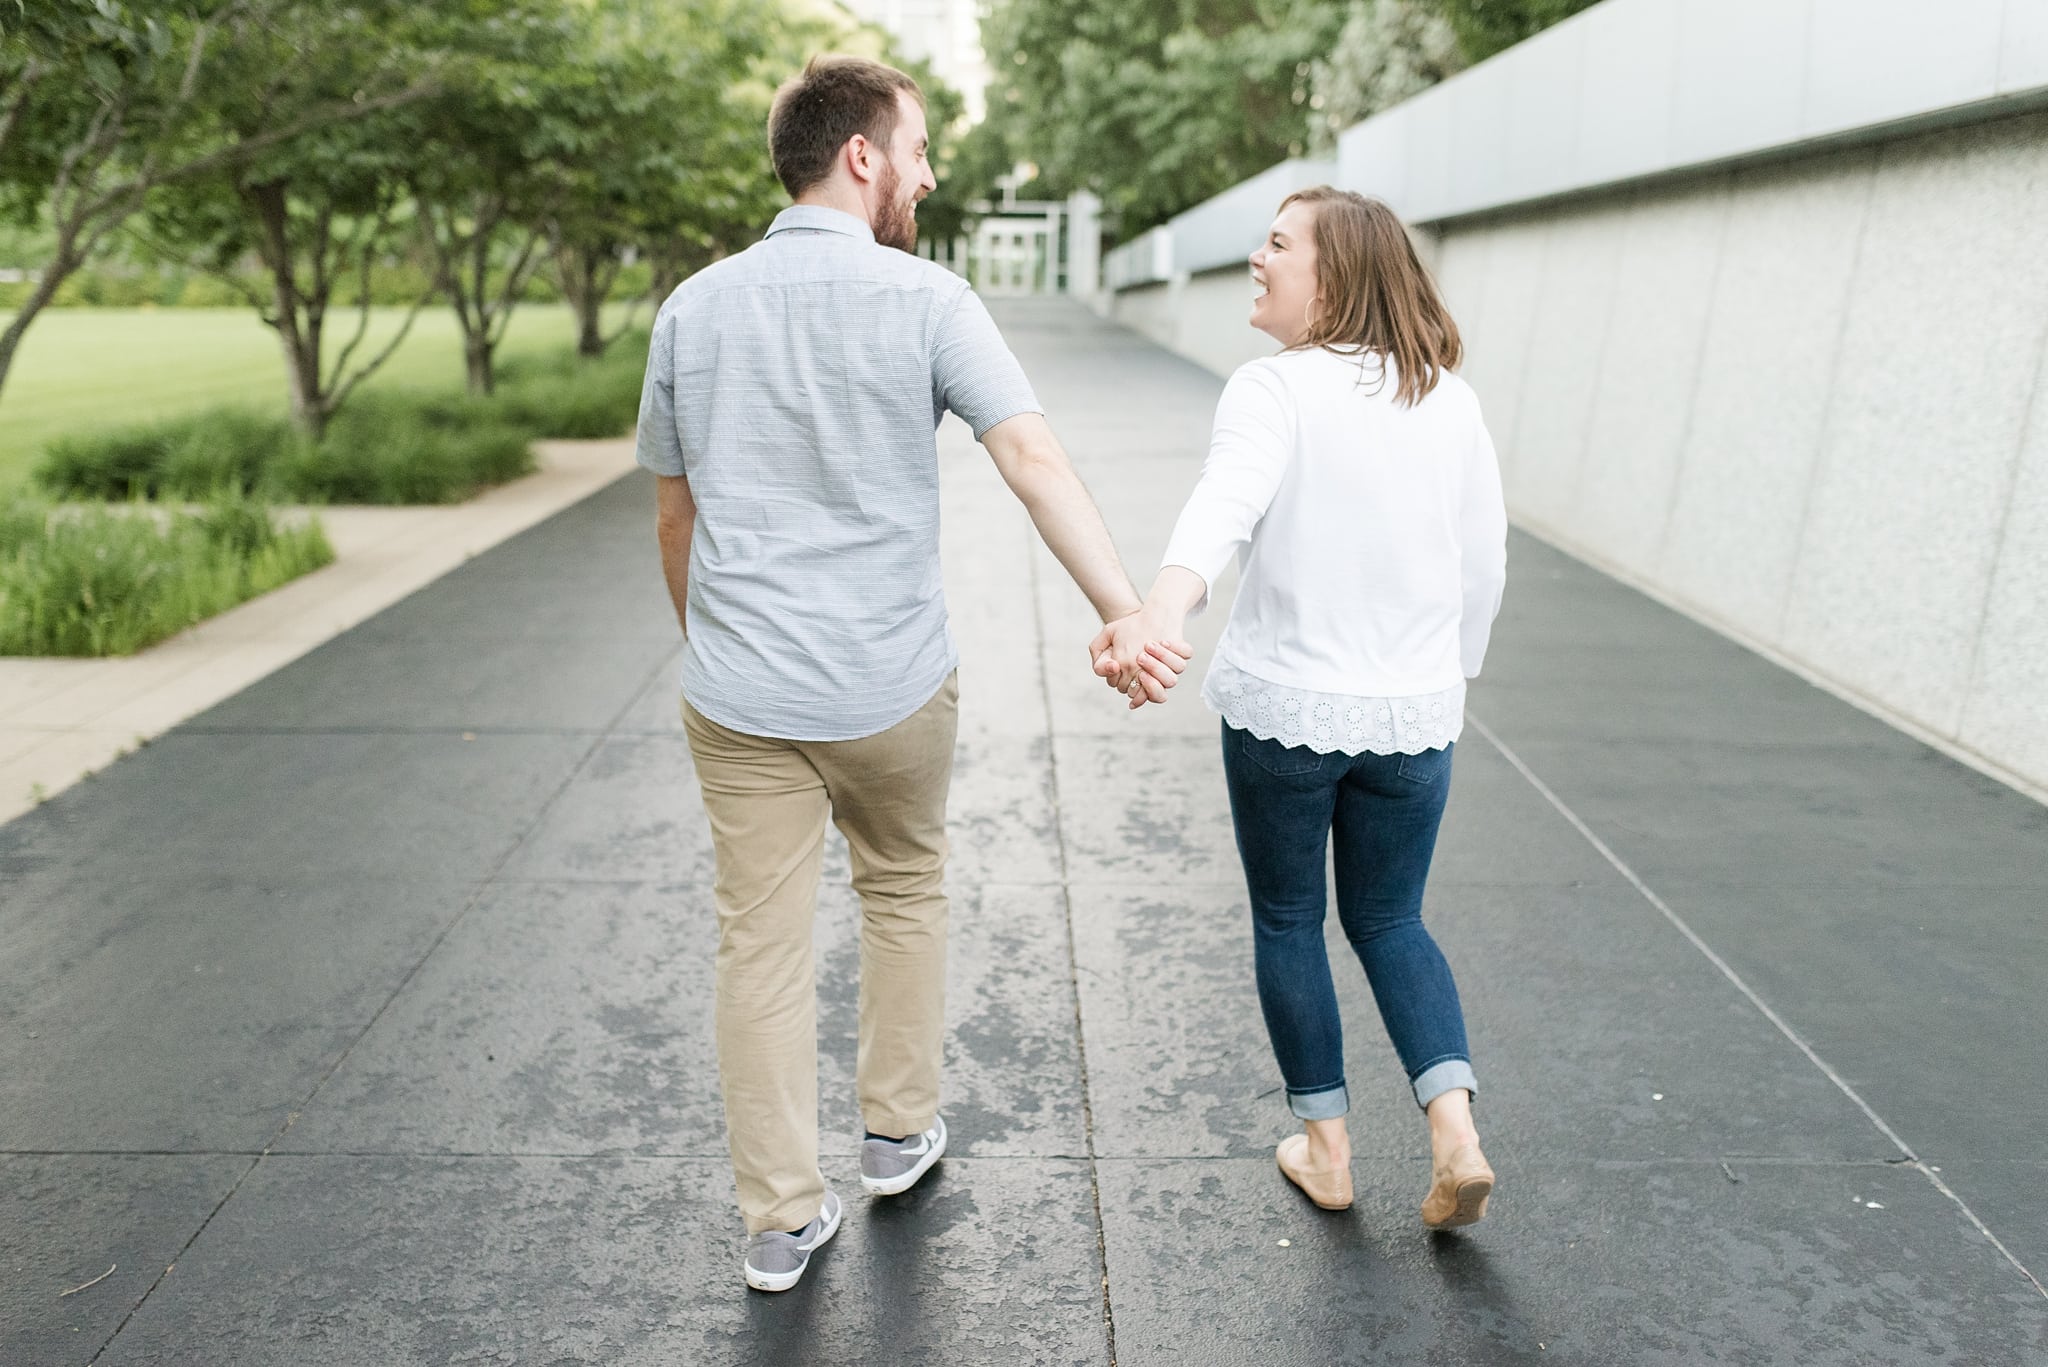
(1141, 654)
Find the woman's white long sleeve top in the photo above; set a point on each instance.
(1372, 538)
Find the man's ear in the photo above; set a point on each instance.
(860, 158)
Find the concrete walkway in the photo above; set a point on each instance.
(365, 1018)
(63, 719)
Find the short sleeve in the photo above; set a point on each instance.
(660, 443)
(973, 372)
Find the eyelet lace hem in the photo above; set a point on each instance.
(1335, 722)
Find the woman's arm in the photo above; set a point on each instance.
(1483, 537)
(1249, 451)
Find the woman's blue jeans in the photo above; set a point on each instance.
(1383, 810)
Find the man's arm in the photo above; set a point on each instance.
(675, 521)
(1031, 461)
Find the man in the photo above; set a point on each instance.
(792, 395)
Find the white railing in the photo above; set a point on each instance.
(1224, 230)
(1146, 259)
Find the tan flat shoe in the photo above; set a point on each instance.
(1329, 1188)
(1458, 1190)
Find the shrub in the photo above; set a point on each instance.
(406, 448)
(223, 448)
(385, 446)
(212, 292)
(186, 457)
(121, 462)
(106, 581)
(573, 396)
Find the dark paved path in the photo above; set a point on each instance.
(376, 1002)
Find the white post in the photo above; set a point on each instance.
(1084, 247)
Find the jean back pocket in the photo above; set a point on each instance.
(1281, 761)
(1427, 767)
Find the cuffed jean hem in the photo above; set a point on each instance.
(1327, 1104)
(1447, 1076)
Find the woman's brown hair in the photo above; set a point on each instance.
(1374, 294)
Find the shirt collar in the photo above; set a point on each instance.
(816, 218)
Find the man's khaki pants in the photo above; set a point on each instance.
(768, 800)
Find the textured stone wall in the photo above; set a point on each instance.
(1799, 398)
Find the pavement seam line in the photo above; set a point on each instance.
(1052, 766)
(1727, 971)
(484, 885)
(183, 1248)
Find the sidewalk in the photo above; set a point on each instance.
(374, 1002)
(63, 719)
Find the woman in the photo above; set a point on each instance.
(1353, 475)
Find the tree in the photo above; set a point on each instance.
(491, 169)
(322, 209)
(1159, 104)
(682, 169)
(1485, 27)
(1387, 51)
(105, 101)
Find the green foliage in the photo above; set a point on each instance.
(228, 448)
(574, 396)
(1387, 51)
(1159, 104)
(111, 103)
(663, 139)
(1485, 27)
(966, 166)
(306, 158)
(109, 581)
(391, 447)
(386, 447)
(393, 284)
(117, 463)
(397, 448)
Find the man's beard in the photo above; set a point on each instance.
(896, 218)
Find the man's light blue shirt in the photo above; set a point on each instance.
(798, 385)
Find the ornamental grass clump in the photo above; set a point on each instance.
(186, 457)
(94, 580)
(406, 449)
(572, 396)
(384, 446)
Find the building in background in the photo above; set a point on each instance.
(945, 33)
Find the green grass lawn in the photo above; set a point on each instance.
(82, 369)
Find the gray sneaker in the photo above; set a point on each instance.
(891, 1166)
(776, 1261)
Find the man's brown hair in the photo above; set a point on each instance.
(816, 113)
(1374, 294)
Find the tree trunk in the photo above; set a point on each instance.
(290, 303)
(63, 262)
(302, 372)
(577, 268)
(477, 356)
(665, 270)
